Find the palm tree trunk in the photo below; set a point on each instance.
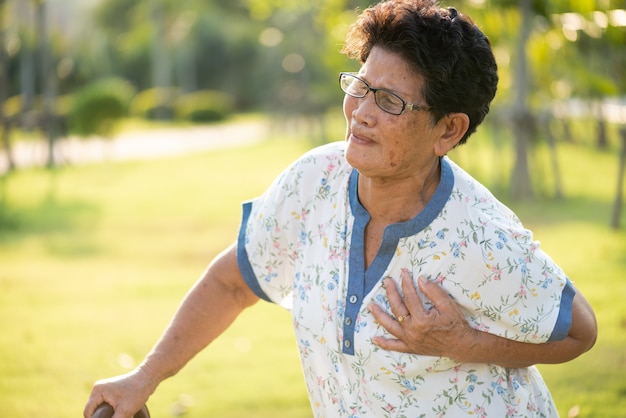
(617, 206)
(4, 94)
(161, 69)
(522, 119)
(48, 119)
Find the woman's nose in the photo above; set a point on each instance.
(365, 108)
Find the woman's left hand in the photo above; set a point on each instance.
(440, 331)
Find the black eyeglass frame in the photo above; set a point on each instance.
(405, 104)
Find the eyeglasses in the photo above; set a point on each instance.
(385, 99)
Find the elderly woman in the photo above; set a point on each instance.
(413, 291)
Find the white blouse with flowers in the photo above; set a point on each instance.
(301, 245)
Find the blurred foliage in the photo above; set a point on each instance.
(576, 48)
(154, 103)
(94, 109)
(204, 106)
(283, 55)
(12, 106)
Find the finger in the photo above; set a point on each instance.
(395, 298)
(123, 411)
(388, 322)
(88, 411)
(92, 404)
(437, 295)
(412, 301)
(122, 414)
(391, 344)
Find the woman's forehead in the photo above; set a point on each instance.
(387, 69)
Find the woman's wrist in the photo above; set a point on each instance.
(468, 348)
(148, 378)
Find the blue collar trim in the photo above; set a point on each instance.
(361, 281)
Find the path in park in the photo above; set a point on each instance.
(137, 145)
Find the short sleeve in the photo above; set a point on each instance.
(497, 272)
(279, 226)
(541, 303)
(522, 294)
(266, 249)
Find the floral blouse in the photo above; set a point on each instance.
(301, 245)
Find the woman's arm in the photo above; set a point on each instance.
(444, 331)
(208, 309)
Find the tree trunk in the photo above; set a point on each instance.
(48, 119)
(522, 119)
(554, 160)
(27, 65)
(617, 207)
(602, 140)
(567, 132)
(161, 70)
(4, 94)
(184, 51)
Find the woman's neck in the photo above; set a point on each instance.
(398, 200)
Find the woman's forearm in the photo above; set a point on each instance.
(444, 330)
(208, 309)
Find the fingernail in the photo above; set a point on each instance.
(387, 278)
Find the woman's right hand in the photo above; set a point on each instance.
(126, 393)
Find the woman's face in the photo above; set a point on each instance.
(382, 145)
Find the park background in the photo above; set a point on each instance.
(97, 248)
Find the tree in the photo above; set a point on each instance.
(523, 120)
(562, 49)
(160, 56)
(617, 205)
(5, 122)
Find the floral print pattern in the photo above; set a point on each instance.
(300, 246)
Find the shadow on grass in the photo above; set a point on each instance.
(543, 211)
(64, 227)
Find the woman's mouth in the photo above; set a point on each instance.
(359, 139)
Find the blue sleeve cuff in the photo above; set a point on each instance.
(564, 320)
(242, 256)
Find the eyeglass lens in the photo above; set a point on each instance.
(386, 100)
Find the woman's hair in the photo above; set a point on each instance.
(445, 47)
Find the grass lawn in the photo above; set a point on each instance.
(94, 260)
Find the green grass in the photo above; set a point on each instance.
(94, 260)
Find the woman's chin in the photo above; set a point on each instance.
(357, 158)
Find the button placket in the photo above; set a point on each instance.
(352, 310)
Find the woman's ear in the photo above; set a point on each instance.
(454, 127)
